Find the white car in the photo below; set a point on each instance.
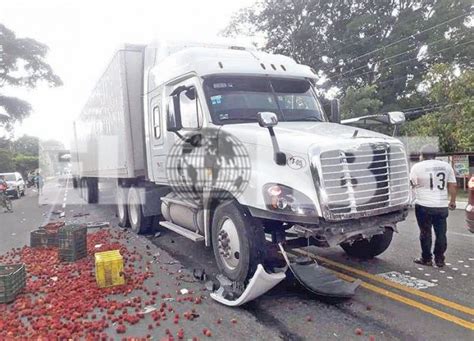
(16, 184)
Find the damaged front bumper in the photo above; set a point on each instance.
(260, 283)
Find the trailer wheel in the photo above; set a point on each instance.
(90, 190)
(238, 241)
(138, 222)
(367, 249)
(122, 208)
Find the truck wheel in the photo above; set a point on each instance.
(238, 241)
(122, 208)
(90, 190)
(74, 183)
(367, 249)
(84, 189)
(138, 222)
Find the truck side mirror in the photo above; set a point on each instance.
(173, 115)
(267, 119)
(335, 111)
(396, 117)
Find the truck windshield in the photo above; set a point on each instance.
(239, 99)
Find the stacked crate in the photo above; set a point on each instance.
(12, 281)
(46, 236)
(72, 243)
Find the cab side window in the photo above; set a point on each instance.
(156, 122)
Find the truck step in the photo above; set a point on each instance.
(182, 231)
(180, 202)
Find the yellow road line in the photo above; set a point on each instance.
(412, 291)
(410, 302)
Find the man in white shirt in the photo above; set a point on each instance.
(432, 180)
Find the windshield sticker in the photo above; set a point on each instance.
(223, 117)
(222, 85)
(216, 99)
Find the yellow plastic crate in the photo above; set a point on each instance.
(109, 269)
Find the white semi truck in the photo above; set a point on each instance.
(298, 176)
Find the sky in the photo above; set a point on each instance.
(82, 36)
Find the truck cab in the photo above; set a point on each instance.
(318, 182)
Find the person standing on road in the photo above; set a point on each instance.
(39, 183)
(432, 181)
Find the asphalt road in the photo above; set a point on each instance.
(397, 299)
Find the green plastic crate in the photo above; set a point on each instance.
(43, 238)
(72, 243)
(12, 281)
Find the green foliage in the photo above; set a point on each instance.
(20, 155)
(360, 101)
(22, 64)
(365, 42)
(453, 121)
(7, 164)
(26, 145)
(25, 163)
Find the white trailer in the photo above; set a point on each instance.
(308, 181)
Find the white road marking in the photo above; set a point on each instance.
(405, 280)
(442, 271)
(471, 258)
(428, 275)
(406, 271)
(64, 205)
(460, 261)
(448, 263)
(455, 269)
(463, 274)
(466, 266)
(462, 234)
(421, 269)
(449, 277)
(434, 280)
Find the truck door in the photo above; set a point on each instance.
(157, 146)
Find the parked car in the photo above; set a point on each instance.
(16, 184)
(470, 206)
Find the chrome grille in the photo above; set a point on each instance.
(371, 177)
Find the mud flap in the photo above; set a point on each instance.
(260, 283)
(320, 280)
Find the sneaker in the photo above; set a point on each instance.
(423, 261)
(440, 263)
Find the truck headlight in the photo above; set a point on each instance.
(287, 200)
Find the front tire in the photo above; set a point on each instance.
(368, 249)
(238, 241)
(138, 222)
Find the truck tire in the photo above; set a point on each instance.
(138, 222)
(90, 190)
(367, 249)
(238, 241)
(121, 196)
(74, 183)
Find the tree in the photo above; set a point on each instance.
(26, 145)
(358, 43)
(6, 161)
(453, 120)
(360, 101)
(22, 64)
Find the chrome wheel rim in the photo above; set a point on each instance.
(229, 244)
(133, 209)
(120, 205)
